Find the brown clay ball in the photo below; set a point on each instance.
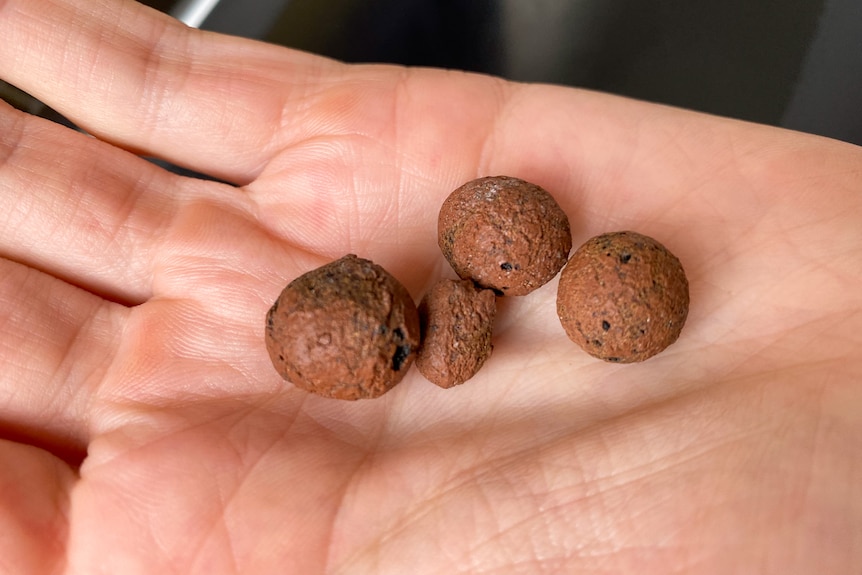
(347, 330)
(505, 234)
(623, 297)
(456, 318)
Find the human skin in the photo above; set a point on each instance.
(145, 431)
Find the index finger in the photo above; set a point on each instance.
(138, 78)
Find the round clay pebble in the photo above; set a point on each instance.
(505, 234)
(623, 297)
(347, 330)
(456, 318)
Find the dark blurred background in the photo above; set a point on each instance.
(793, 63)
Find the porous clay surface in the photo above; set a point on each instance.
(505, 234)
(623, 297)
(346, 330)
(457, 319)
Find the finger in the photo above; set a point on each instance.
(34, 507)
(82, 210)
(58, 342)
(136, 77)
(620, 162)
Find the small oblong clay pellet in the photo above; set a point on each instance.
(457, 319)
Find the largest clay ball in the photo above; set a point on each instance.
(347, 330)
(504, 233)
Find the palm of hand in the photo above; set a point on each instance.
(733, 448)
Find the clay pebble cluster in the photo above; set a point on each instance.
(507, 237)
(349, 330)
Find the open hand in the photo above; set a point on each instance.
(145, 431)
